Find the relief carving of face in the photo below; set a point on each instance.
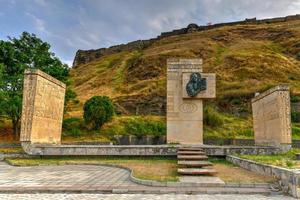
(195, 84)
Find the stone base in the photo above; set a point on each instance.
(201, 179)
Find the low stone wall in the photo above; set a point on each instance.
(151, 140)
(144, 140)
(237, 142)
(289, 179)
(138, 150)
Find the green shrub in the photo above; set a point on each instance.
(298, 55)
(236, 101)
(295, 99)
(211, 117)
(75, 132)
(73, 122)
(247, 133)
(142, 126)
(295, 117)
(73, 126)
(97, 111)
(295, 132)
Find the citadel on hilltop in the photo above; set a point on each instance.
(85, 56)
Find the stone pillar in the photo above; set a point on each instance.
(185, 113)
(42, 109)
(272, 117)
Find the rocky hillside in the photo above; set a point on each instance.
(247, 56)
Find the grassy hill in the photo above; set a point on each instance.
(247, 58)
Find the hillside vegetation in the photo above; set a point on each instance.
(246, 58)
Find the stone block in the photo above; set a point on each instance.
(272, 117)
(185, 115)
(42, 108)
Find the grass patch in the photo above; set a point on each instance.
(135, 125)
(221, 161)
(11, 150)
(74, 129)
(286, 160)
(219, 53)
(219, 125)
(124, 65)
(149, 168)
(231, 173)
(295, 131)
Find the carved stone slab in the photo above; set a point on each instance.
(272, 117)
(184, 115)
(210, 92)
(42, 108)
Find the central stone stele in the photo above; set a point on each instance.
(186, 87)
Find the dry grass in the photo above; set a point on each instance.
(234, 174)
(246, 59)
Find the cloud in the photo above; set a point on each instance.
(91, 24)
(39, 23)
(68, 62)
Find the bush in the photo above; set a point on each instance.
(298, 56)
(295, 132)
(72, 126)
(211, 117)
(295, 116)
(295, 99)
(97, 111)
(142, 126)
(73, 122)
(75, 132)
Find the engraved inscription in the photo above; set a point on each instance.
(42, 109)
(188, 107)
(271, 118)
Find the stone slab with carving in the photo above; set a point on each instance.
(185, 113)
(272, 117)
(42, 108)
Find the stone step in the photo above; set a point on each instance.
(194, 163)
(190, 149)
(196, 171)
(190, 153)
(192, 157)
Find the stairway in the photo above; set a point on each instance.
(192, 161)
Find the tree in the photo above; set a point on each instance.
(16, 55)
(97, 111)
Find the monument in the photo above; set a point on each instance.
(42, 108)
(272, 117)
(187, 86)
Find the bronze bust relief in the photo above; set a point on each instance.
(195, 84)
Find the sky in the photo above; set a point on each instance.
(69, 25)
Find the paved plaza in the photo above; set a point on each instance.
(90, 181)
(137, 197)
(63, 176)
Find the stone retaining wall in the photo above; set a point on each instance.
(289, 179)
(139, 150)
(150, 140)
